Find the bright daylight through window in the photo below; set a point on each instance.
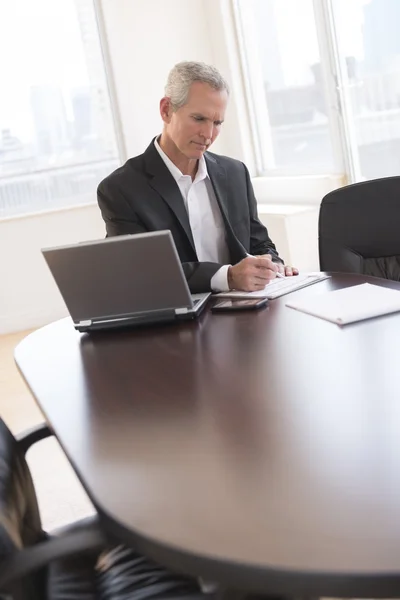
(57, 138)
(324, 85)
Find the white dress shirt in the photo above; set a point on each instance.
(205, 218)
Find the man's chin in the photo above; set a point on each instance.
(197, 152)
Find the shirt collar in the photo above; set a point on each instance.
(176, 173)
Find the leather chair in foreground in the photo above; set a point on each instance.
(359, 229)
(74, 563)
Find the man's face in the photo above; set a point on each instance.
(195, 126)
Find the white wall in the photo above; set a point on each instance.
(294, 230)
(28, 296)
(144, 39)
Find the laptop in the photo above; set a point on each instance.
(123, 281)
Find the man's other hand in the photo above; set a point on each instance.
(283, 269)
(287, 271)
(252, 273)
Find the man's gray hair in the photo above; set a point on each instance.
(184, 74)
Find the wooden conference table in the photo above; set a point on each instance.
(259, 449)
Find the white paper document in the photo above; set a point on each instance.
(279, 286)
(350, 304)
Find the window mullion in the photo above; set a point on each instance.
(254, 87)
(335, 77)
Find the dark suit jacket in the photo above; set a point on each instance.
(143, 196)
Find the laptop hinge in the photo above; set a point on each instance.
(86, 323)
(182, 311)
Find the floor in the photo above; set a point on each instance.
(61, 497)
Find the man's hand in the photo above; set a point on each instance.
(252, 273)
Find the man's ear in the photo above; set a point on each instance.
(165, 109)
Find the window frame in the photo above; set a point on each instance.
(110, 81)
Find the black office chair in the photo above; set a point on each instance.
(359, 229)
(76, 562)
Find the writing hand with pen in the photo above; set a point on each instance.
(253, 273)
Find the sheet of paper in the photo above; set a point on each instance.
(350, 304)
(279, 287)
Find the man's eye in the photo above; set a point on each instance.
(198, 118)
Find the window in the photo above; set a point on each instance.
(57, 137)
(368, 44)
(324, 85)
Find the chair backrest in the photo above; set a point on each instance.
(359, 228)
(20, 523)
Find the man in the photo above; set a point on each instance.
(205, 200)
(208, 204)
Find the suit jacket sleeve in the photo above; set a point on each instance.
(121, 219)
(260, 242)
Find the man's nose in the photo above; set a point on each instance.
(206, 132)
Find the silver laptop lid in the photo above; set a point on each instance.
(119, 276)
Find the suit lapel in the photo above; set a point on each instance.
(217, 175)
(165, 185)
(218, 178)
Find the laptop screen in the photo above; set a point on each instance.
(119, 276)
